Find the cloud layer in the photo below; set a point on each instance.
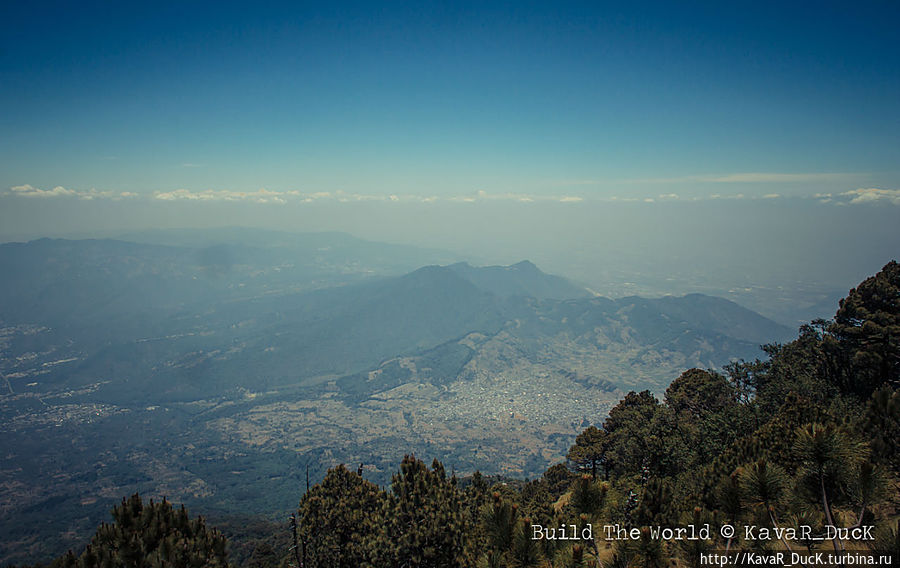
(860, 196)
(30, 191)
(873, 195)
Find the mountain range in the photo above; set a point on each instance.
(205, 371)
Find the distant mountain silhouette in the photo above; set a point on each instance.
(57, 281)
(240, 316)
(521, 279)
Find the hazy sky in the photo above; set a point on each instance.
(325, 115)
(585, 98)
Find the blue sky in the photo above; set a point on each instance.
(726, 147)
(588, 100)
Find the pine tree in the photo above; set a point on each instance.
(882, 424)
(831, 462)
(867, 327)
(341, 522)
(150, 535)
(589, 451)
(426, 524)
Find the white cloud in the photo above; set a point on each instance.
(873, 195)
(186, 194)
(721, 196)
(271, 196)
(261, 195)
(28, 190)
(94, 194)
(482, 195)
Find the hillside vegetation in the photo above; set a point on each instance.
(807, 436)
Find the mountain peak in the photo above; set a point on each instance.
(526, 265)
(520, 279)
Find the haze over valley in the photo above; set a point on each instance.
(242, 245)
(215, 373)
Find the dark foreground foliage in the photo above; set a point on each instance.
(150, 535)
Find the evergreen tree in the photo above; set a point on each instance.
(426, 524)
(588, 496)
(589, 451)
(867, 327)
(629, 427)
(882, 424)
(657, 506)
(557, 480)
(833, 462)
(764, 487)
(807, 366)
(706, 413)
(509, 536)
(153, 535)
(691, 552)
(341, 522)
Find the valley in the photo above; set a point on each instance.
(221, 391)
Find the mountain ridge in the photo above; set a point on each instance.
(206, 374)
(523, 278)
